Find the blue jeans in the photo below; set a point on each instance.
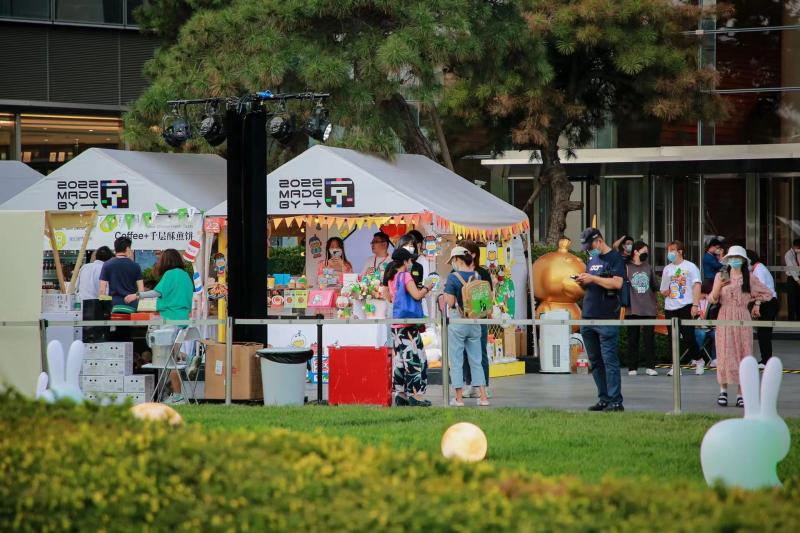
(461, 338)
(484, 358)
(602, 347)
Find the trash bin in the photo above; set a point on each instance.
(283, 374)
(161, 340)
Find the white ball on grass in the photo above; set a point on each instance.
(464, 441)
(157, 412)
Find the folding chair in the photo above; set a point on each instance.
(190, 333)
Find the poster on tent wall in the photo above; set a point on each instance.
(147, 231)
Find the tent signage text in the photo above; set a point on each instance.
(77, 195)
(313, 193)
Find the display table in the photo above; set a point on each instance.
(343, 334)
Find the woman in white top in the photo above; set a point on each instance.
(769, 309)
(89, 275)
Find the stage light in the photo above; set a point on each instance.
(318, 126)
(282, 128)
(212, 128)
(178, 131)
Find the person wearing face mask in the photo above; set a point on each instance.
(711, 263)
(769, 308)
(680, 285)
(335, 258)
(380, 258)
(471, 392)
(625, 247)
(409, 243)
(792, 260)
(734, 295)
(643, 306)
(602, 281)
(409, 377)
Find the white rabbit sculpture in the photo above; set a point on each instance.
(745, 452)
(64, 376)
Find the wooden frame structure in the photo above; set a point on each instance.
(56, 220)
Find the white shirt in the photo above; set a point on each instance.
(376, 263)
(791, 260)
(89, 281)
(763, 275)
(679, 280)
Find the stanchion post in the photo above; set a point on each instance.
(676, 367)
(43, 343)
(319, 359)
(228, 360)
(445, 361)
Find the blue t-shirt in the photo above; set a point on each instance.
(597, 302)
(121, 274)
(453, 285)
(711, 266)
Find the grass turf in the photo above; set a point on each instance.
(587, 445)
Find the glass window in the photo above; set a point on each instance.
(131, 7)
(95, 11)
(29, 9)
(626, 205)
(48, 141)
(760, 118)
(748, 60)
(6, 136)
(750, 14)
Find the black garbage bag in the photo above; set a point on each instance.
(287, 355)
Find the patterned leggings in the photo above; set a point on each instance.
(410, 365)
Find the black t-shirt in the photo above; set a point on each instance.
(416, 275)
(121, 274)
(598, 302)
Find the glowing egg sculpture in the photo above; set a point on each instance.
(465, 442)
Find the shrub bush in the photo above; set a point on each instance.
(286, 260)
(89, 468)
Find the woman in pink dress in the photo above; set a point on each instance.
(735, 289)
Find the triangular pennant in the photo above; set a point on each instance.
(161, 209)
(183, 214)
(129, 220)
(147, 218)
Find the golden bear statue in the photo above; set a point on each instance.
(552, 285)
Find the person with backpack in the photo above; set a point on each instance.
(643, 305)
(465, 296)
(485, 275)
(409, 377)
(603, 281)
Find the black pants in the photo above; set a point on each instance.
(769, 310)
(634, 358)
(793, 296)
(688, 340)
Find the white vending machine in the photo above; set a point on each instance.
(554, 344)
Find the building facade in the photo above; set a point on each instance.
(738, 178)
(69, 70)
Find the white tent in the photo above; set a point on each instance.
(155, 198)
(15, 177)
(338, 182)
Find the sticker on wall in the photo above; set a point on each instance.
(192, 249)
(315, 245)
(108, 224)
(219, 263)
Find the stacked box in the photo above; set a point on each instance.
(107, 372)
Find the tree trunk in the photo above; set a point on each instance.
(437, 124)
(554, 174)
(408, 131)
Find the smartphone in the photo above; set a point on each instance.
(336, 253)
(574, 277)
(725, 274)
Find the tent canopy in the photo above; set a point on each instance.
(336, 181)
(15, 177)
(119, 181)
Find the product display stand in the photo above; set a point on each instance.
(57, 220)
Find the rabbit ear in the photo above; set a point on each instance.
(55, 363)
(748, 377)
(41, 385)
(74, 362)
(770, 386)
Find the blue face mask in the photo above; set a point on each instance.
(736, 263)
(672, 256)
(594, 252)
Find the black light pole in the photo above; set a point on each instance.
(245, 126)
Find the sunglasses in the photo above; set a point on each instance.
(378, 242)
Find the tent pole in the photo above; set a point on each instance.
(533, 297)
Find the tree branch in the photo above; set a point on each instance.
(437, 125)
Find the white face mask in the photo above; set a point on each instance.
(410, 248)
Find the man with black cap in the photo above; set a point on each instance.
(602, 281)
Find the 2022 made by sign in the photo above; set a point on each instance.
(78, 195)
(313, 193)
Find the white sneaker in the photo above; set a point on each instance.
(699, 367)
(713, 363)
(670, 372)
(632, 372)
(762, 366)
(456, 403)
(651, 372)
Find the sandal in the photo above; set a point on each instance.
(739, 401)
(483, 403)
(722, 399)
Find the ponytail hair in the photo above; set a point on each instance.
(391, 271)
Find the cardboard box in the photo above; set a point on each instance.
(107, 367)
(515, 342)
(139, 384)
(101, 384)
(109, 350)
(246, 372)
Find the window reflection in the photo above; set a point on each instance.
(48, 141)
(761, 118)
(31, 9)
(6, 136)
(97, 11)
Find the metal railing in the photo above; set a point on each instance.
(443, 321)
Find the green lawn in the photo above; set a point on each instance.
(588, 445)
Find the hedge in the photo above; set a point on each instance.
(89, 468)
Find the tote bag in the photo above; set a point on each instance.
(405, 306)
